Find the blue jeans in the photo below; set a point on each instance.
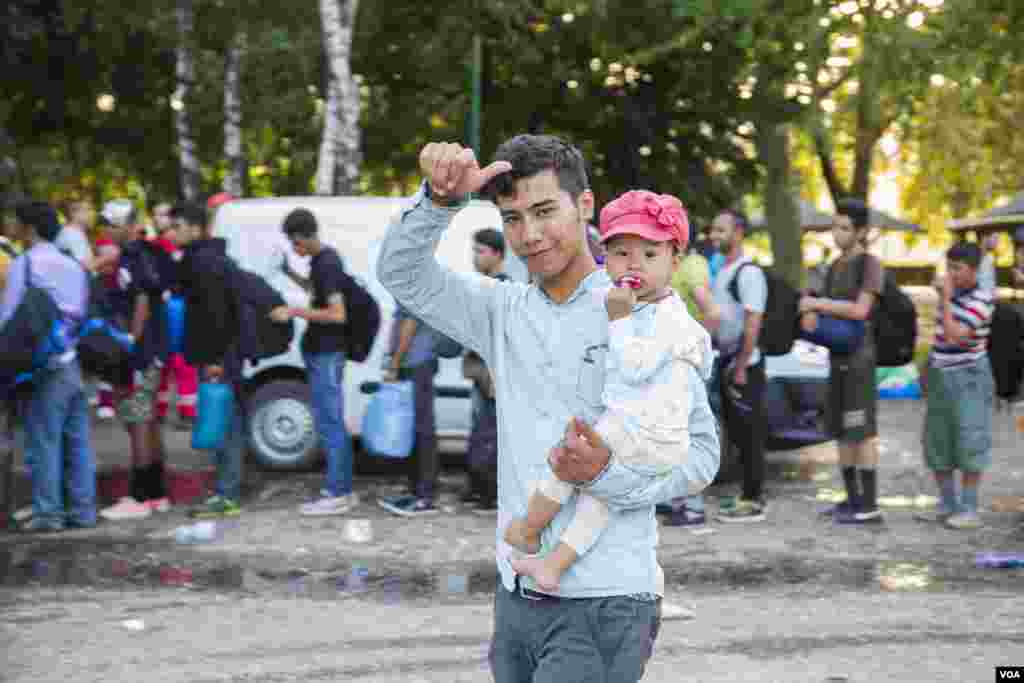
(57, 443)
(229, 461)
(325, 372)
(572, 641)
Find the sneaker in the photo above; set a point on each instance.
(410, 506)
(125, 509)
(38, 526)
(216, 507)
(663, 509)
(158, 504)
(686, 517)
(744, 511)
(330, 505)
(859, 517)
(964, 520)
(837, 510)
(24, 514)
(936, 516)
(105, 413)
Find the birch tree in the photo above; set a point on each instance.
(234, 155)
(185, 78)
(340, 153)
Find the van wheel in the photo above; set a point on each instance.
(282, 434)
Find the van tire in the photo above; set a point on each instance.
(280, 429)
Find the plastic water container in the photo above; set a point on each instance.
(213, 419)
(176, 324)
(389, 423)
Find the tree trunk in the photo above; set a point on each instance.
(185, 76)
(340, 152)
(235, 180)
(781, 214)
(823, 146)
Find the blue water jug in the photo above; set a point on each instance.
(213, 420)
(176, 324)
(389, 423)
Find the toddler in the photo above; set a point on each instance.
(653, 341)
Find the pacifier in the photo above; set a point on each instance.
(631, 281)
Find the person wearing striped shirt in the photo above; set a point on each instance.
(961, 390)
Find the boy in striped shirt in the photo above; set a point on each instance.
(961, 390)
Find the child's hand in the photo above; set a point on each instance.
(620, 302)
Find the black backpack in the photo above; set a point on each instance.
(104, 350)
(362, 322)
(1006, 349)
(894, 319)
(780, 326)
(30, 336)
(253, 299)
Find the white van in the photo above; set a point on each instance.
(281, 431)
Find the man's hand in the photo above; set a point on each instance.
(807, 304)
(453, 171)
(620, 302)
(582, 455)
(281, 314)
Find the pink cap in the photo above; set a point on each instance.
(218, 199)
(654, 217)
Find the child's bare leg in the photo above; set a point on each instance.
(524, 533)
(547, 570)
(589, 521)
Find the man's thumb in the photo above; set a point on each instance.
(494, 170)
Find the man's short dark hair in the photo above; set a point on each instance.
(965, 252)
(300, 223)
(191, 213)
(739, 219)
(534, 154)
(40, 216)
(489, 237)
(854, 209)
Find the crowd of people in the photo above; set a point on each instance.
(598, 386)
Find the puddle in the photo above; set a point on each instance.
(128, 567)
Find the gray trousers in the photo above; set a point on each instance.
(585, 640)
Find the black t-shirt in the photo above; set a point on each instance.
(139, 272)
(328, 277)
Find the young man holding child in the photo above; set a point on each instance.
(547, 345)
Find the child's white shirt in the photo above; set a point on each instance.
(646, 396)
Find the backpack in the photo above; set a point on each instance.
(894, 319)
(104, 349)
(36, 332)
(1006, 349)
(32, 335)
(780, 326)
(253, 299)
(362, 322)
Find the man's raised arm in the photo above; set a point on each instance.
(456, 304)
